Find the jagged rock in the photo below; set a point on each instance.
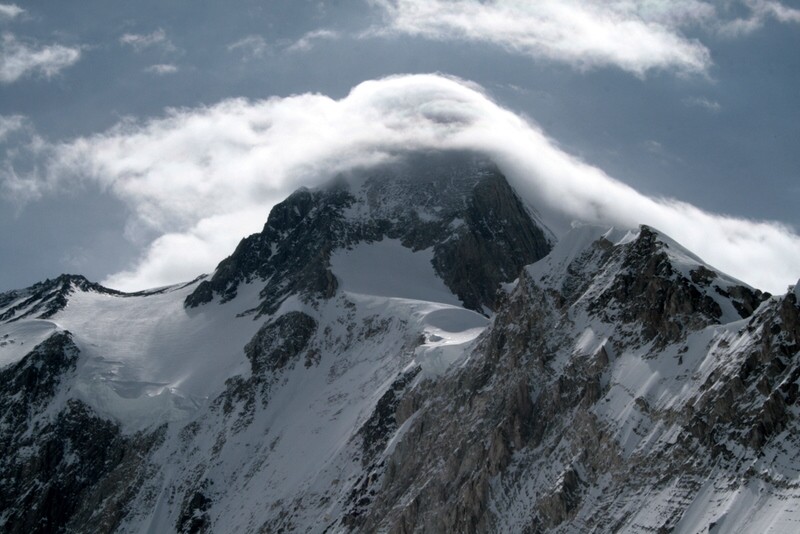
(27, 386)
(194, 517)
(652, 294)
(384, 422)
(556, 507)
(64, 460)
(280, 341)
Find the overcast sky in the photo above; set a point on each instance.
(141, 140)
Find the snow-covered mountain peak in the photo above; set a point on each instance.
(353, 368)
(644, 278)
(457, 205)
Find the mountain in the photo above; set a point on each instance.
(408, 348)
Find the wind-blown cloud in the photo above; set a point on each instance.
(636, 36)
(251, 47)
(142, 41)
(10, 124)
(702, 102)
(202, 178)
(255, 47)
(162, 68)
(10, 11)
(306, 42)
(19, 59)
(760, 12)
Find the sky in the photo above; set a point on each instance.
(139, 142)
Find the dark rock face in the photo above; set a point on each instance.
(500, 240)
(193, 518)
(277, 345)
(375, 434)
(648, 290)
(28, 385)
(66, 458)
(383, 421)
(48, 465)
(460, 205)
(279, 342)
(63, 468)
(292, 252)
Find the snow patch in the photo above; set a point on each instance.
(147, 359)
(449, 333)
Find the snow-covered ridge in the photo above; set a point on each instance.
(588, 251)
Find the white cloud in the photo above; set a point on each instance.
(254, 47)
(306, 42)
(760, 11)
(19, 59)
(635, 35)
(702, 102)
(162, 69)
(10, 11)
(653, 146)
(141, 41)
(10, 124)
(202, 178)
(251, 47)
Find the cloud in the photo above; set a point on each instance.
(251, 47)
(636, 36)
(10, 11)
(201, 178)
(162, 69)
(306, 42)
(19, 59)
(760, 11)
(653, 146)
(142, 41)
(10, 124)
(702, 102)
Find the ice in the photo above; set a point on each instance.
(449, 332)
(146, 359)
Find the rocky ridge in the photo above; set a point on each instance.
(45, 299)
